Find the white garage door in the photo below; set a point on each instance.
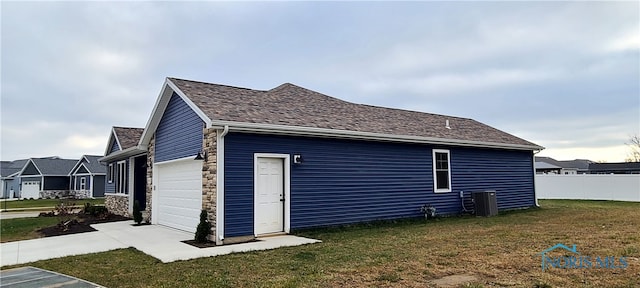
(30, 189)
(179, 194)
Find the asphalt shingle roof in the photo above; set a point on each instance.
(54, 166)
(10, 167)
(291, 105)
(128, 136)
(93, 165)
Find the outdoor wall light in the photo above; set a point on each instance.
(297, 159)
(202, 155)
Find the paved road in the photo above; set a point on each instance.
(21, 214)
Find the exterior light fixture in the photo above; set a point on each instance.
(202, 155)
(297, 159)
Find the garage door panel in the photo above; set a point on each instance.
(179, 189)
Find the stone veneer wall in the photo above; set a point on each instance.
(209, 178)
(117, 204)
(151, 152)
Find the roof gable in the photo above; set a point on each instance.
(30, 169)
(289, 106)
(89, 164)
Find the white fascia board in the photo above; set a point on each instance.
(27, 164)
(136, 150)
(161, 105)
(324, 132)
(191, 105)
(113, 137)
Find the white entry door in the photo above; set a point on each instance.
(269, 206)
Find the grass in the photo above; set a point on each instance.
(500, 251)
(24, 228)
(47, 203)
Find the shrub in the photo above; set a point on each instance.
(137, 214)
(204, 228)
(96, 211)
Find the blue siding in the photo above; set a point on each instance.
(346, 181)
(510, 173)
(30, 170)
(179, 133)
(111, 187)
(114, 147)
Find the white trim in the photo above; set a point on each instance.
(175, 160)
(112, 137)
(154, 194)
(118, 180)
(358, 135)
(130, 183)
(287, 189)
(220, 184)
(34, 165)
(115, 194)
(131, 151)
(161, 105)
(91, 185)
(110, 172)
(435, 178)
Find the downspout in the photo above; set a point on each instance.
(220, 186)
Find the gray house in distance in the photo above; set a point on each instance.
(45, 177)
(88, 177)
(9, 182)
(272, 161)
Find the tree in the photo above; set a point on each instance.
(634, 146)
(204, 228)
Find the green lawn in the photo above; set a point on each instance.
(24, 228)
(499, 251)
(50, 203)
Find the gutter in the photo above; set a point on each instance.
(220, 186)
(135, 150)
(333, 133)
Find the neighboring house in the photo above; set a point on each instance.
(546, 168)
(9, 183)
(46, 177)
(615, 168)
(264, 162)
(126, 163)
(88, 177)
(569, 167)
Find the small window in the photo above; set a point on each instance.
(121, 181)
(83, 183)
(441, 171)
(110, 172)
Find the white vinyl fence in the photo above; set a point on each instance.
(589, 187)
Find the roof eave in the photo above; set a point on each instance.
(161, 104)
(131, 151)
(335, 133)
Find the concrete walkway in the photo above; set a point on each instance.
(157, 241)
(14, 215)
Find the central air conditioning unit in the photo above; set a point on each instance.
(485, 203)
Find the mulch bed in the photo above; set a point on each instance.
(78, 223)
(200, 245)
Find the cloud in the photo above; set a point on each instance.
(557, 73)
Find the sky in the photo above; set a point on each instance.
(564, 75)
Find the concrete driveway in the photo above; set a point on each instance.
(157, 241)
(23, 214)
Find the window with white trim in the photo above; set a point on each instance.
(121, 180)
(83, 183)
(441, 171)
(110, 172)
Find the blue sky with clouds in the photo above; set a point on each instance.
(565, 75)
